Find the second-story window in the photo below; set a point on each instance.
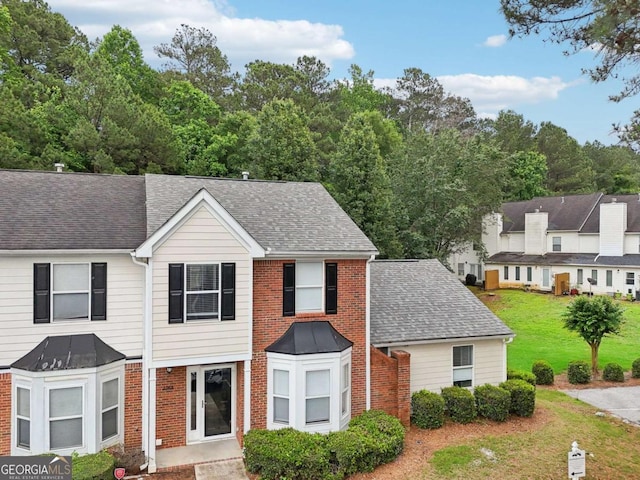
(70, 291)
(309, 279)
(310, 287)
(202, 292)
(557, 244)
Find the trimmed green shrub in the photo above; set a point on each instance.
(427, 409)
(94, 466)
(287, 453)
(635, 368)
(613, 373)
(351, 451)
(459, 404)
(492, 402)
(578, 371)
(543, 372)
(521, 375)
(523, 397)
(385, 430)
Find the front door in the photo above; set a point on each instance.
(210, 402)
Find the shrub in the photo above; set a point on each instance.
(543, 372)
(459, 404)
(579, 372)
(385, 430)
(427, 409)
(613, 373)
(94, 466)
(287, 453)
(521, 375)
(635, 368)
(492, 402)
(351, 451)
(523, 397)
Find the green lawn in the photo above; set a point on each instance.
(537, 321)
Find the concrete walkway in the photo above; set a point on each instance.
(224, 470)
(623, 402)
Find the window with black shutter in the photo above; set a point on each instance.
(98, 291)
(289, 290)
(176, 293)
(228, 291)
(41, 293)
(331, 288)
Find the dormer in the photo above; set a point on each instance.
(535, 231)
(613, 225)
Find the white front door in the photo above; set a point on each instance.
(211, 399)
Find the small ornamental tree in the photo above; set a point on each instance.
(593, 318)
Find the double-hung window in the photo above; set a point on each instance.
(317, 398)
(556, 244)
(110, 408)
(201, 291)
(281, 396)
(66, 417)
(23, 416)
(345, 386)
(630, 278)
(69, 291)
(594, 277)
(310, 287)
(506, 272)
(460, 269)
(580, 277)
(463, 366)
(518, 273)
(529, 274)
(609, 278)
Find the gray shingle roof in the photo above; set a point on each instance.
(49, 210)
(565, 213)
(633, 213)
(580, 259)
(282, 216)
(418, 300)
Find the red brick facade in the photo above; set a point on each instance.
(133, 405)
(390, 383)
(5, 413)
(269, 325)
(171, 406)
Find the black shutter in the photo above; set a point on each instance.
(331, 288)
(176, 293)
(289, 290)
(98, 291)
(41, 293)
(228, 291)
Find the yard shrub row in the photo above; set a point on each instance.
(579, 371)
(459, 404)
(492, 402)
(95, 466)
(521, 375)
(613, 373)
(635, 368)
(523, 397)
(543, 372)
(373, 438)
(427, 409)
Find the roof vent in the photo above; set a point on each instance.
(245, 175)
(537, 210)
(59, 166)
(562, 199)
(614, 200)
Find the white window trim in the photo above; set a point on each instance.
(186, 292)
(40, 383)
(278, 395)
(298, 366)
(321, 285)
(555, 244)
(464, 367)
(15, 417)
(345, 409)
(63, 292)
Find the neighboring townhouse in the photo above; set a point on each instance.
(594, 239)
(421, 308)
(169, 313)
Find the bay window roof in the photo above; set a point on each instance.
(306, 338)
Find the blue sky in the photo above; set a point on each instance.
(461, 42)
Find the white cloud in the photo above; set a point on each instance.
(495, 41)
(491, 93)
(241, 39)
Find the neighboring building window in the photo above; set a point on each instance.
(317, 398)
(557, 244)
(463, 366)
(66, 418)
(472, 269)
(580, 277)
(281, 396)
(506, 273)
(110, 414)
(630, 278)
(69, 291)
(517, 273)
(201, 291)
(594, 276)
(310, 287)
(460, 269)
(345, 385)
(609, 278)
(23, 418)
(529, 274)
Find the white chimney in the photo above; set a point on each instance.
(245, 175)
(59, 166)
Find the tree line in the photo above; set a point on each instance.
(413, 165)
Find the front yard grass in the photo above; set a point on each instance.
(613, 448)
(540, 335)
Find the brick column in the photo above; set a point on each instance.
(404, 385)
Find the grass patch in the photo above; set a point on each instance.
(542, 454)
(537, 321)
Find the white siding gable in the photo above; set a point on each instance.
(613, 224)
(535, 229)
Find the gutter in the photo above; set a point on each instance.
(368, 335)
(445, 340)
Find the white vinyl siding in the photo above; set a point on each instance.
(201, 239)
(432, 364)
(125, 293)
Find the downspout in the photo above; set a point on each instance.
(368, 335)
(148, 440)
(505, 342)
